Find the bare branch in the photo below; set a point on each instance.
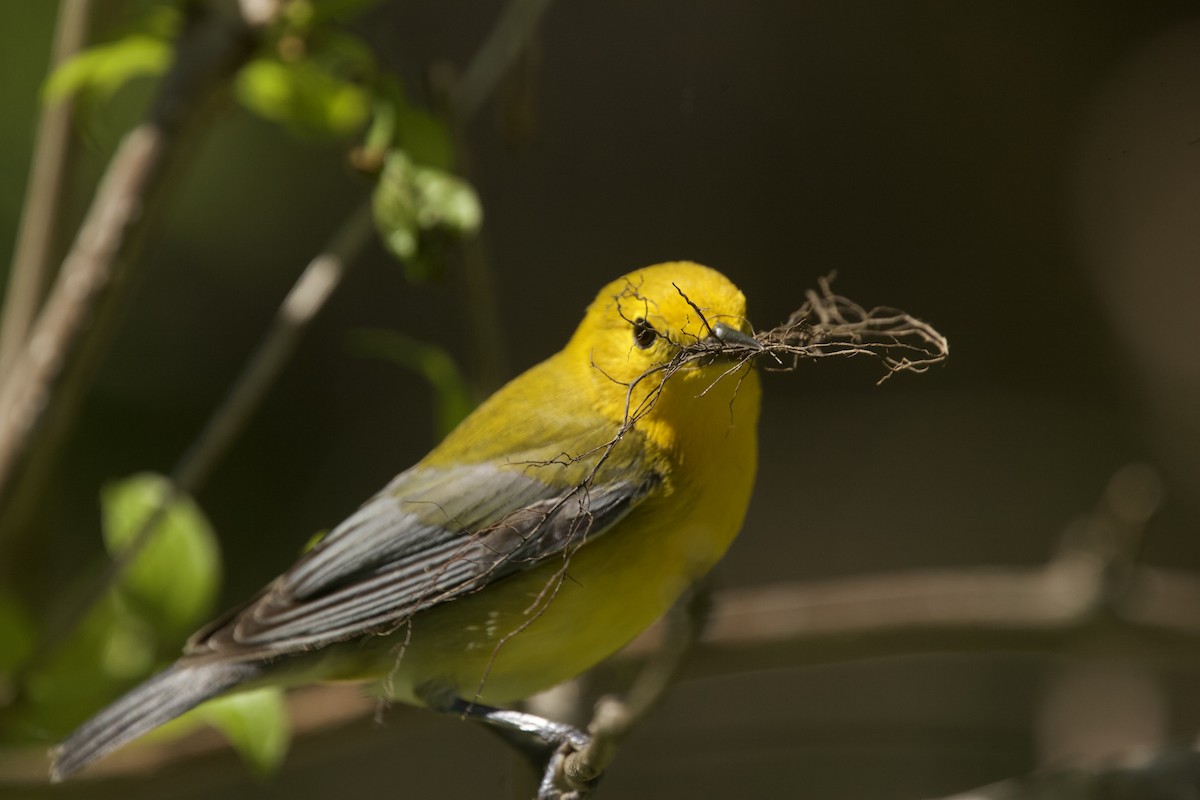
(55, 365)
(41, 229)
(508, 38)
(304, 301)
(615, 717)
(1063, 608)
(1168, 773)
(316, 283)
(982, 610)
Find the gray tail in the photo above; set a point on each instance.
(160, 699)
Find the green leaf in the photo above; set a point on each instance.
(451, 395)
(101, 70)
(413, 203)
(173, 581)
(167, 589)
(445, 202)
(256, 723)
(315, 540)
(303, 96)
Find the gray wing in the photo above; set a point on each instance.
(431, 535)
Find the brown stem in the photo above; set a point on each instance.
(41, 231)
(56, 363)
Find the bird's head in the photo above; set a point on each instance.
(641, 322)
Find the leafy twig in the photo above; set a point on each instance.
(56, 363)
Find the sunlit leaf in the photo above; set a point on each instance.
(412, 201)
(314, 540)
(446, 202)
(302, 96)
(101, 70)
(256, 723)
(173, 581)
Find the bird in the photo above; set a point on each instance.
(561, 518)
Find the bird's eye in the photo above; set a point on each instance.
(643, 333)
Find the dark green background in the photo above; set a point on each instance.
(1023, 175)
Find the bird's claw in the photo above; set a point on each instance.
(557, 782)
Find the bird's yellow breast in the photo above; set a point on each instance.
(537, 628)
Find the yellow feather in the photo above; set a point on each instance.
(555, 523)
(501, 643)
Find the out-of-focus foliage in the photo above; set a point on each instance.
(83, 672)
(102, 70)
(173, 581)
(255, 722)
(167, 589)
(143, 49)
(315, 82)
(413, 203)
(302, 96)
(318, 82)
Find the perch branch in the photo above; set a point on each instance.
(1168, 773)
(1048, 610)
(615, 717)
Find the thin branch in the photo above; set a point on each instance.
(303, 303)
(1041, 611)
(507, 39)
(1167, 773)
(1066, 607)
(309, 294)
(615, 717)
(69, 337)
(42, 218)
(307, 297)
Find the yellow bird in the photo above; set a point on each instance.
(559, 520)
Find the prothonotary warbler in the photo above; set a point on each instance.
(559, 520)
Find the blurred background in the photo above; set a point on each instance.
(1024, 176)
